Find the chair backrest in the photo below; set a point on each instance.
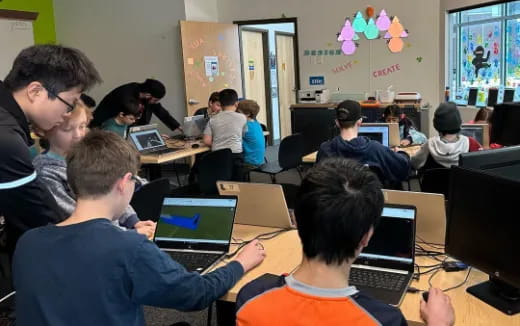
(215, 166)
(290, 152)
(147, 201)
(264, 128)
(436, 181)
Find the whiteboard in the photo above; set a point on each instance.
(15, 35)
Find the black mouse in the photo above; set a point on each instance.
(195, 145)
(425, 295)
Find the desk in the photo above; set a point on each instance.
(284, 255)
(411, 150)
(186, 151)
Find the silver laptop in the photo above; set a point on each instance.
(384, 269)
(196, 231)
(194, 126)
(148, 141)
(252, 199)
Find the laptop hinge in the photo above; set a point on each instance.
(381, 269)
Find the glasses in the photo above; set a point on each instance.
(138, 183)
(70, 107)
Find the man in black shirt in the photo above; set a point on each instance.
(148, 94)
(42, 87)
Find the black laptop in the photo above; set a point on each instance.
(196, 231)
(385, 268)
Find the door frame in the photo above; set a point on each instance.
(293, 20)
(267, 75)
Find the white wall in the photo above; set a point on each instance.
(128, 40)
(318, 23)
(201, 10)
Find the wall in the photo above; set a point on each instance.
(128, 40)
(201, 10)
(43, 26)
(318, 23)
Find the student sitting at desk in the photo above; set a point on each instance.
(253, 141)
(337, 209)
(394, 166)
(407, 131)
(443, 151)
(86, 271)
(52, 168)
(127, 114)
(483, 116)
(226, 129)
(213, 108)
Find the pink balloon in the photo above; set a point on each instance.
(348, 47)
(347, 32)
(383, 21)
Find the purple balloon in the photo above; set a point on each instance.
(347, 32)
(348, 47)
(383, 21)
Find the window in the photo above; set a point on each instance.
(484, 50)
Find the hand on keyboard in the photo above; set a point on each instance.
(251, 256)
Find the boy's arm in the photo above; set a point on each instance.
(207, 136)
(420, 157)
(66, 203)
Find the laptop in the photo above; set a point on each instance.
(478, 131)
(196, 231)
(384, 269)
(252, 208)
(194, 126)
(385, 133)
(148, 141)
(431, 213)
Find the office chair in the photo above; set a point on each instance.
(215, 166)
(290, 155)
(148, 200)
(435, 181)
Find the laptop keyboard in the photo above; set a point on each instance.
(163, 151)
(377, 279)
(194, 261)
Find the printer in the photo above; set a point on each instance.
(320, 96)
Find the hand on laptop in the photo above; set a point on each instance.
(165, 137)
(438, 311)
(251, 256)
(146, 227)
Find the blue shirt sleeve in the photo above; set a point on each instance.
(158, 280)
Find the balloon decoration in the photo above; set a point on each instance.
(390, 28)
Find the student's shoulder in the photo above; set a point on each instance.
(384, 313)
(257, 287)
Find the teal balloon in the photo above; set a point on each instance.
(371, 32)
(359, 24)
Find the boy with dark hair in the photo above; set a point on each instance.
(128, 114)
(148, 94)
(443, 151)
(213, 107)
(338, 206)
(226, 129)
(42, 87)
(394, 166)
(113, 272)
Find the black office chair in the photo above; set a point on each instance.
(215, 166)
(147, 201)
(264, 128)
(436, 181)
(290, 155)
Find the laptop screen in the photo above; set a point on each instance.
(394, 237)
(194, 126)
(146, 139)
(377, 133)
(476, 132)
(196, 221)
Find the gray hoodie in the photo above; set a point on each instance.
(52, 170)
(443, 152)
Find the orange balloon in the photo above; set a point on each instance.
(369, 11)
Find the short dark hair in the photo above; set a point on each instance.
(338, 201)
(228, 97)
(129, 106)
(214, 97)
(88, 101)
(56, 67)
(96, 162)
(154, 87)
(393, 111)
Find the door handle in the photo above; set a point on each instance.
(192, 101)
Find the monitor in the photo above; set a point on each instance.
(505, 121)
(504, 162)
(194, 126)
(509, 95)
(197, 221)
(478, 131)
(146, 139)
(317, 124)
(472, 96)
(482, 231)
(378, 133)
(492, 97)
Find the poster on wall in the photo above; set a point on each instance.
(211, 66)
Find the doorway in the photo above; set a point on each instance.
(281, 75)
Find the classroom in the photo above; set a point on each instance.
(240, 162)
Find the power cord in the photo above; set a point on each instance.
(263, 236)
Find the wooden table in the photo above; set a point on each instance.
(284, 254)
(411, 150)
(186, 150)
